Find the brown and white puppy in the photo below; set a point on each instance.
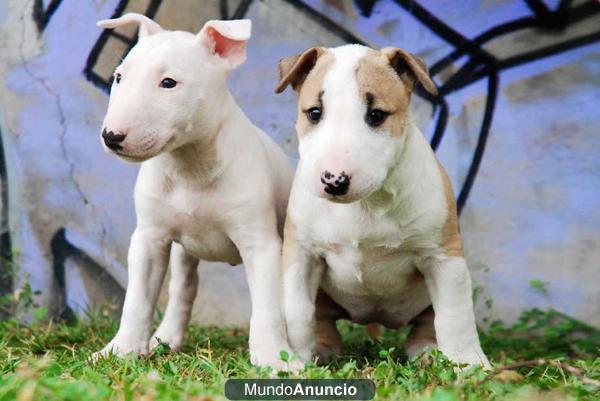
(371, 232)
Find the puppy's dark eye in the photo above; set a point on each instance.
(376, 117)
(314, 114)
(117, 78)
(168, 83)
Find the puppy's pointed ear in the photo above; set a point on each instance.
(147, 26)
(293, 70)
(410, 69)
(227, 39)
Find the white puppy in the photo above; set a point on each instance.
(371, 233)
(212, 186)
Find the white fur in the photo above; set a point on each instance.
(377, 240)
(212, 186)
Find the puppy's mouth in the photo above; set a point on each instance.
(147, 150)
(351, 196)
(348, 198)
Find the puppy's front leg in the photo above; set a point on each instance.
(301, 279)
(261, 254)
(147, 262)
(183, 286)
(449, 285)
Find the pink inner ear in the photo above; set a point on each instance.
(231, 49)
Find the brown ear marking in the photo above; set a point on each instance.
(410, 68)
(293, 70)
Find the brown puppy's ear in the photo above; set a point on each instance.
(410, 69)
(293, 70)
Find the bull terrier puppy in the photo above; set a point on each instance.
(371, 233)
(211, 186)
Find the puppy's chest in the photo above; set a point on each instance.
(371, 266)
(371, 252)
(376, 270)
(375, 284)
(357, 237)
(196, 221)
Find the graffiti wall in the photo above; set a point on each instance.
(516, 125)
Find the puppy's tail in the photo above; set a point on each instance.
(374, 331)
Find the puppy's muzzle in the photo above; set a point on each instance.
(335, 184)
(112, 139)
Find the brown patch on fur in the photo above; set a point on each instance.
(293, 70)
(328, 339)
(451, 239)
(410, 69)
(374, 331)
(305, 72)
(310, 93)
(376, 77)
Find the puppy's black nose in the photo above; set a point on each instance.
(112, 139)
(335, 184)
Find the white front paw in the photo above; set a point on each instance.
(121, 346)
(173, 339)
(302, 341)
(304, 354)
(469, 356)
(266, 350)
(273, 359)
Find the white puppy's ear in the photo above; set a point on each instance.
(294, 69)
(411, 69)
(227, 39)
(147, 26)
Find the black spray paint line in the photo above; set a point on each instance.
(41, 15)
(6, 251)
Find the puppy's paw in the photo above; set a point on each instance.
(325, 352)
(415, 348)
(173, 339)
(269, 353)
(120, 346)
(267, 343)
(470, 356)
(275, 361)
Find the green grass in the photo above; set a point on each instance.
(49, 361)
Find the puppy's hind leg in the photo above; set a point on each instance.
(422, 335)
(328, 340)
(183, 286)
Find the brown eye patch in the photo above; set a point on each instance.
(310, 94)
(374, 116)
(315, 113)
(386, 96)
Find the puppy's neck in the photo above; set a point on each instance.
(410, 178)
(204, 159)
